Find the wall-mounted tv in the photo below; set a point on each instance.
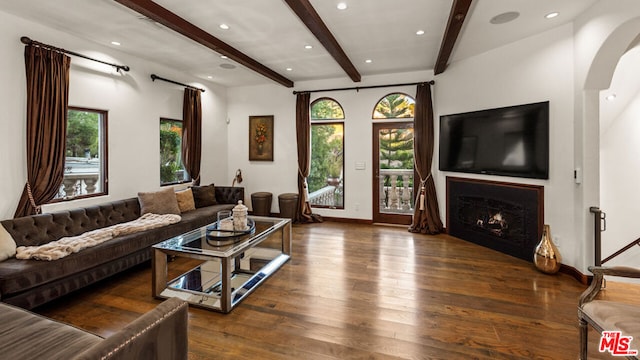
(509, 141)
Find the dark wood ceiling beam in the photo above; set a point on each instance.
(174, 22)
(312, 20)
(459, 10)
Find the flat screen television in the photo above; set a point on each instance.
(508, 141)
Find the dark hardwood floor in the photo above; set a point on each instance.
(354, 291)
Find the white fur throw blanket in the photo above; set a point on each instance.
(72, 244)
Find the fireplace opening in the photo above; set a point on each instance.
(506, 217)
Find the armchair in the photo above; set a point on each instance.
(607, 315)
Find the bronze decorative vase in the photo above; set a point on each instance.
(546, 256)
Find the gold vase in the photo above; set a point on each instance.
(547, 257)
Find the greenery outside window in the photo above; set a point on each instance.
(326, 178)
(85, 172)
(394, 106)
(171, 167)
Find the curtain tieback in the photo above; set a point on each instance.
(36, 207)
(423, 191)
(305, 192)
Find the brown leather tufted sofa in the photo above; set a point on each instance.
(30, 283)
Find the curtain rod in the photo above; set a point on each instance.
(25, 40)
(358, 88)
(155, 77)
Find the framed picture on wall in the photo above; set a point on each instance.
(261, 138)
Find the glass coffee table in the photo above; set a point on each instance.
(233, 264)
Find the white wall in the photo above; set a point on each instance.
(620, 160)
(620, 171)
(280, 176)
(567, 66)
(601, 36)
(277, 176)
(536, 69)
(134, 105)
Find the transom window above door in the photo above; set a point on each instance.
(326, 109)
(394, 106)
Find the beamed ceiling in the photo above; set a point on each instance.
(267, 40)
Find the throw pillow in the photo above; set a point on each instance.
(204, 195)
(185, 200)
(7, 244)
(159, 202)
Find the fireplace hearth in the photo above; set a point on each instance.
(506, 217)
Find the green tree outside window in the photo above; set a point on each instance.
(395, 106)
(171, 166)
(327, 149)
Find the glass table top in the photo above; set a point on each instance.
(207, 241)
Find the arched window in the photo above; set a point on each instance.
(326, 178)
(326, 109)
(394, 106)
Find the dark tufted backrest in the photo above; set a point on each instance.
(228, 194)
(43, 228)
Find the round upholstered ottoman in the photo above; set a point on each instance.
(261, 203)
(288, 203)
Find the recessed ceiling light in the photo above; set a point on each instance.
(551, 15)
(368, 61)
(224, 57)
(341, 6)
(224, 26)
(209, 77)
(289, 69)
(115, 43)
(504, 17)
(308, 47)
(611, 97)
(227, 66)
(420, 32)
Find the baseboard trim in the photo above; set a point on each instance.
(346, 220)
(573, 272)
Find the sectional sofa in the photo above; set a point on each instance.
(30, 283)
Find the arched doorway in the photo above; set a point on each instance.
(620, 158)
(593, 141)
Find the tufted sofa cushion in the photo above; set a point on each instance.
(43, 228)
(229, 195)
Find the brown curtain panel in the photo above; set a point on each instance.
(192, 133)
(303, 136)
(47, 99)
(426, 215)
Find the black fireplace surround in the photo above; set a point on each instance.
(506, 217)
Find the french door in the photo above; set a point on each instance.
(393, 175)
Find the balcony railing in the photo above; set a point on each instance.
(331, 196)
(395, 187)
(397, 196)
(81, 177)
(78, 184)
